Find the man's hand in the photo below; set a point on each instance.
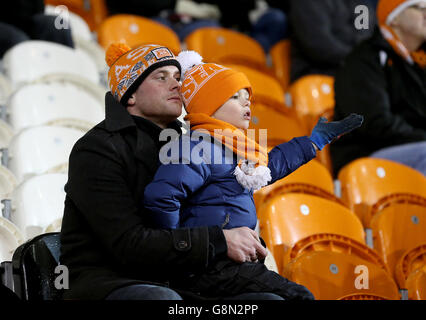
(244, 245)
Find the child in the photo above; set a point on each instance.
(218, 190)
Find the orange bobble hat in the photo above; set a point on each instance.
(207, 86)
(129, 67)
(387, 10)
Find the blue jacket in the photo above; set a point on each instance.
(198, 191)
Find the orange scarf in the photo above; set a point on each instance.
(418, 57)
(241, 145)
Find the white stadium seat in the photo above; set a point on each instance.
(38, 202)
(10, 238)
(6, 134)
(33, 60)
(42, 149)
(54, 103)
(8, 182)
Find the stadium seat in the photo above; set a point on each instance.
(10, 238)
(312, 178)
(136, 30)
(281, 61)
(82, 37)
(34, 264)
(397, 228)
(281, 126)
(416, 284)
(367, 180)
(265, 87)
(38, 202)
(226, 46)
(5, 89)
(6, 134)
(288, 218)
(63, 104)
(333, 275)
(36, 60)
(43, 149)
(8, 182)
(411, 260)
(362, 296)
(312, 96)
(92, 11)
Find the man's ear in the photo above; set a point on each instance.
(132, 100)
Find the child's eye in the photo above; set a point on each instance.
(235, 96)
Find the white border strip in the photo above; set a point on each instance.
(401, 8)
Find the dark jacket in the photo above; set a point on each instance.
(193, 191)
(105, 240)
(322, 34)
(389, 92)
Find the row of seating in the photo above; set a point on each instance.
(305, 226)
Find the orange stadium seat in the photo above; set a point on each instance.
(312, 96)
(281, 61)
(288, 218)
(416, 284)
(226, 46)
(136, 30)
(92, 11)
(281, 125)
(312, 178)
(399, 227)
(265, 87)
(365, 181)
(332, 275)
(410, 261)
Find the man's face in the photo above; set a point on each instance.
(412, 21)
(158, 97)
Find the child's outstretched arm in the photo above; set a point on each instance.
(287, 157)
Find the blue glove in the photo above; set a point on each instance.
(325, 132)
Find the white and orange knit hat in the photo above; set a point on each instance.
(129, 67)
(207, 86)
(387, 10)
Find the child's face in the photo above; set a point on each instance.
(236, 110)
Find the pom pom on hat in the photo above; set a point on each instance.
(115, 51)
(189, 59)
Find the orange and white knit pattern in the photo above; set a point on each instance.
(207, 86)
(127, 65)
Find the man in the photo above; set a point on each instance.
(106, 242)
(384, 79)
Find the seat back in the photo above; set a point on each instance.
(34, 264)
(8, 182)
(312, 96)
(333, 275)
(366, 180)
(264, 86)
(416, 284)
(135, 31)
(10, 238)
(64, 104)
(281, 61)
(92, 11)
(398, 228)
(410, 261)
(33, 60)
(288, 218)
(225, 46)
(38, 202)
(42, 149)
(281, 125)
(312, 174)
